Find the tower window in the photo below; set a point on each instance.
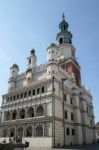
(64, 28)
(29, 61)
(60, 40)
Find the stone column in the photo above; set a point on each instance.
(1, 132)
(43, 129)
(33, 129)
(25, 131)
(45, 110)
(34, 111)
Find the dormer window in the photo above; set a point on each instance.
(64, 27)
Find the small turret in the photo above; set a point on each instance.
(52, 55)
(14, 70)
(32, 60)
(52, 52)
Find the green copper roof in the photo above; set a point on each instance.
(52, 45)
(15, 66)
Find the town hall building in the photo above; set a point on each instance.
(47, 105)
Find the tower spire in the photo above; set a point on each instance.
(63, 16)
(64, 36)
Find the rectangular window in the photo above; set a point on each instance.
(72, 116)
(71, 102)
(67, 131)
(73, 131)
(64, 97)
(49, 87)
(66, 114)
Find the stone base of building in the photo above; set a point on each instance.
(37, 142)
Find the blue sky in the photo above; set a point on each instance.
(27, 24)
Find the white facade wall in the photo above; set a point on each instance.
(58, 133)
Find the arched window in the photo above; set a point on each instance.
(7, 116)
(33, 92)
(30, 112)
(21, 96)
(7, 99)
(20, 131)
(18, 96)
(29, 93)
(38, 91)
(11, 98)
(14, 98)
(39, 130)
(12, 132)
(25, 94)
(29, 131)
(60, 40)
(40, 111)
(22, 114)
(42, 89)
(14, 115)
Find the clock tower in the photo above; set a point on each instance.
(66, 49)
